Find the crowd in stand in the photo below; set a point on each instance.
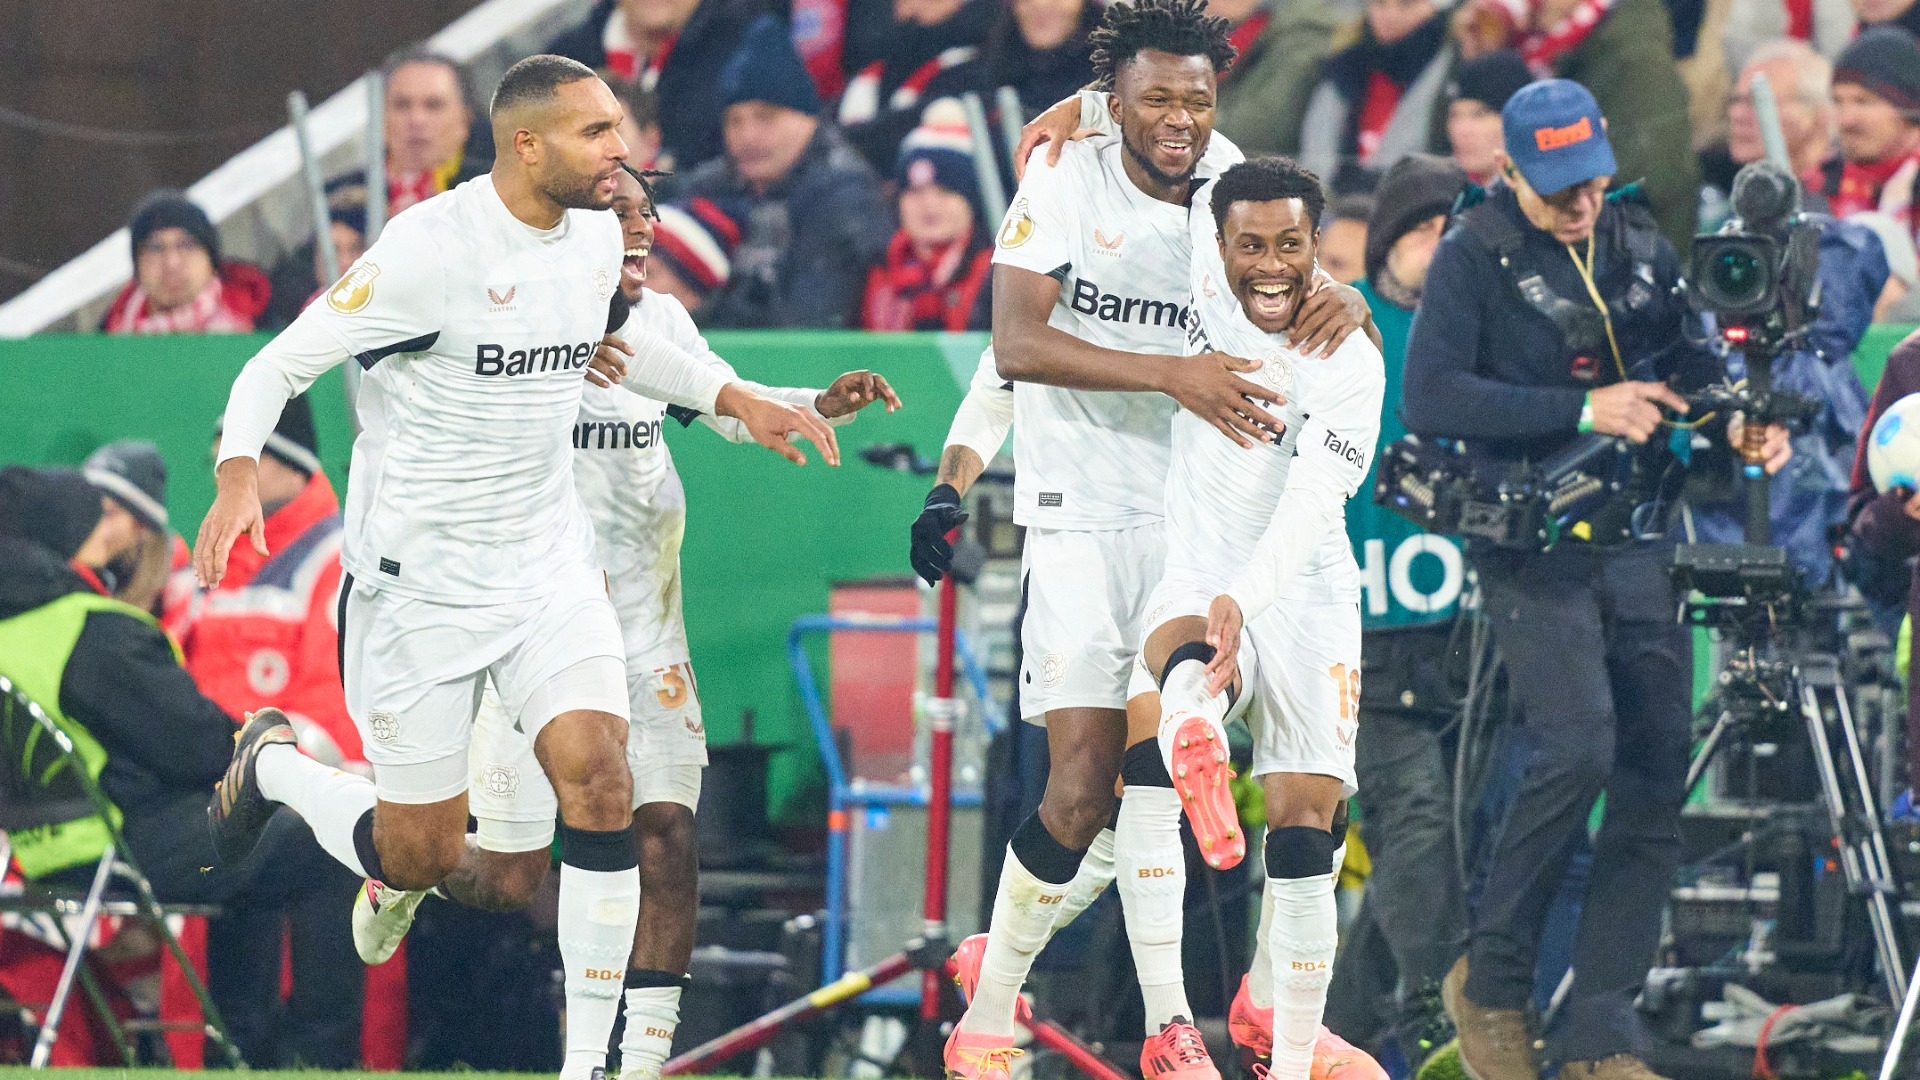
(824, 175)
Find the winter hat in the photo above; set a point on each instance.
(940, 152)
(695, 241)
(347, 202)
(169, 208)
(295, 442)
(133, 474)
(766, 68)
(1885, 62)
(1416, 188)
(1491, 79)
(55, 508)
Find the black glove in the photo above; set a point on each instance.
(932, 556)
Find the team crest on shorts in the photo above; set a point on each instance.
(385, 725)
(1053, 670)
(500, 781)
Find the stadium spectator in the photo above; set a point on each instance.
(1825, 26)
(640, 127)
(692, 253)
(1902, 13)
(132, 547)
(180, 284)
(1802, 89)
(1876, 97)
(106, 669)
(430, 133)
(1343, 239)
(1282, 43)
(299, 278)
(1884, 529)
(1479, 91)
(1621, 51)
(1380, 98)
(936, 267)
(809, 212)
(883, 99)
(673, 48)
(266, 635)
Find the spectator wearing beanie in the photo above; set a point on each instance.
(1479, 91)
(941, 257)
(673, 49)
(1282, 44)
(131, 477)
(180, 284)
(811, 217)
(266, 635)
(1381, 97)
(691, 256)
(1876, 97)
(1622, 51)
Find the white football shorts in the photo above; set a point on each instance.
(1301, 664)
(1085, 595)
(414, 671)
(666, 749)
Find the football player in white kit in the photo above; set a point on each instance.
(468, 554)
(1254, 541)
(628, 484)
(1091, 290)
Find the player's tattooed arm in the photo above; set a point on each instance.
(960, 466)
(1210, 385)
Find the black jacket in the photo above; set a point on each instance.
(164, 740)
(1485, 365)
(689, 86)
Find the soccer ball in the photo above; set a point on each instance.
(1893, 450)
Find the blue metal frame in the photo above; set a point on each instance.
(842, 797)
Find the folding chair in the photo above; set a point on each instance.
(44, 782)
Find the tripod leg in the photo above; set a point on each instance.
(1856, 856)
(1897, 1042)
(1707, 749)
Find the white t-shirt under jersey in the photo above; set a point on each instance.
(1264, 523)
(473, 330)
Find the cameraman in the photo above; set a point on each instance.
(1552, 310)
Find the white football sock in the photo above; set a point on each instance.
(1024, 910)
(1092, 879)
(1185, 693)
(598, 909)
(332, 802)
(653, 1012)
(1260, 974)
(1152, 870)
(1302, 940)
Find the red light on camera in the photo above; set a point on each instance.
(1735, 334)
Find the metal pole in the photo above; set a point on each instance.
(991, 192)
(1012, 116)
(376, 173)
(316, 188)
(1766, 109)
(941, 713)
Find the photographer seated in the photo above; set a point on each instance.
(1552, 310)
(104, 669)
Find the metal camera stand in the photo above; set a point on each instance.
(1751, 590)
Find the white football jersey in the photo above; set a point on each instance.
(473, 330)
(1221, 497)
(626, 479)
(1096, 459)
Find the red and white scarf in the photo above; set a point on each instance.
(1543, 47)
(205, 314)
(1886, 186)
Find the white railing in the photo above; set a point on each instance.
(257, 198)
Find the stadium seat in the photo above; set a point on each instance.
(44, 782)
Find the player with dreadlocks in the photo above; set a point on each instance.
(627, 482)
(1091, 314)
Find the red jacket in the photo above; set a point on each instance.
(267, 635)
